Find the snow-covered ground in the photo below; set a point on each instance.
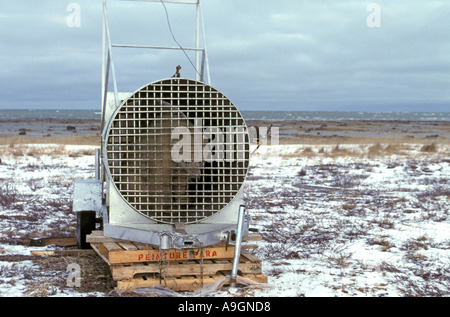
(352, 220)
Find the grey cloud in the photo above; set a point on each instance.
(287, 54)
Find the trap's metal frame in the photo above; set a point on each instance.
(117, 206)
(201, 55)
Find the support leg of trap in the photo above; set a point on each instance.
(237, 248)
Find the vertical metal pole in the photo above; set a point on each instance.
(103, 78)
(237, 248)
(205, 50)
(197, 41)
(103, 64)
(113, 71)
(202, 72)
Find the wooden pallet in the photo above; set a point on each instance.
(135, 265)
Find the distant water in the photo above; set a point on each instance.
(345, 115)
(49, 114)
(248, 115)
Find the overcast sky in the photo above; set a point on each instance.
(305, 55)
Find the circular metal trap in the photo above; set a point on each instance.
(177, 151)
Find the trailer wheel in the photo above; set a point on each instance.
(85, 226)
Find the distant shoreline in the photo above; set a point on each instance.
(87, 131)
(14, 114)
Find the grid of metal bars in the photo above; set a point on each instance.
(140, 146)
